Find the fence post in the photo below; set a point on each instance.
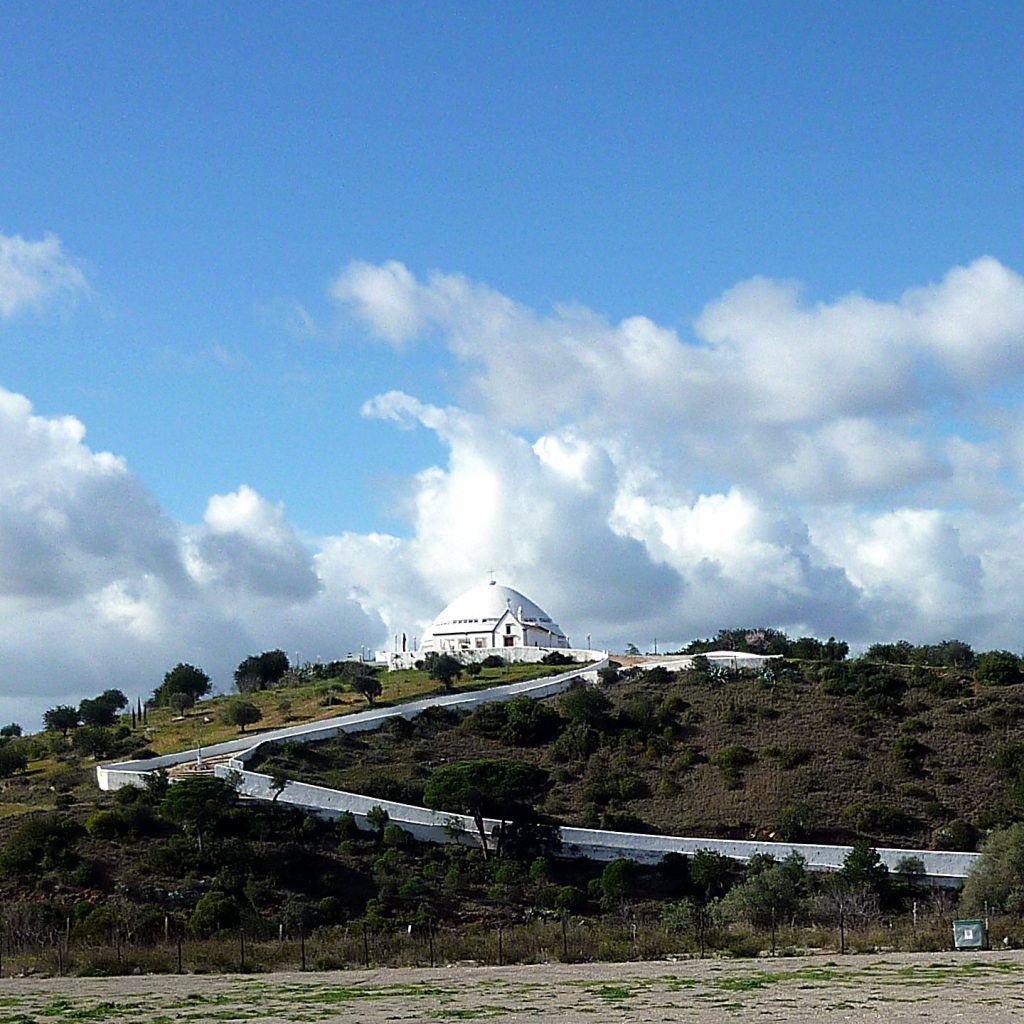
(302, 947)
(366, 946)
(241, 946)
(501, 950)
(773, 929)
(430, 939)
(179, 953)
(842, 927)
(565, 936)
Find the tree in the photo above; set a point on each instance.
(102, 710)
(490, 786)
(63, 718)
(377, 818)
(179, 703)
(199, 804)
(998, 668)
(711, 874)
(261, 671)
(369, 686)
(10, 730)
(96, 740)
(772, 891)
(12, 759)
(585, 705)
(240, 713)
(445, 669)
(997, 878)
(863, 869)
(182, 678)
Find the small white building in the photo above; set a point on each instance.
(491, 616)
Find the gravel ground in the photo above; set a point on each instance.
(933, 987)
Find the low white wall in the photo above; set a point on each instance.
(530, 655)
(426, 825)
(113, 776)
(940, 867)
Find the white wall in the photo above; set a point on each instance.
(941, 868)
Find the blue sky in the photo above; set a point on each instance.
(213, 176)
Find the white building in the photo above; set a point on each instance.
(491, 616)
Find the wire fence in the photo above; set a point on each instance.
(261, 947)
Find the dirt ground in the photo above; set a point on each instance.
(933, 987)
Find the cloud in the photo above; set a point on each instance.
(99, 588)
(35, 273)
(247, 544)
(851, 467)
(836, 467)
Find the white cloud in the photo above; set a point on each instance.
(33, 273)
(98, 588)
(851, 467)
(753, 459)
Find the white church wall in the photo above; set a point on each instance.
(530, 655)
(940, 867)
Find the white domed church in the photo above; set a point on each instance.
(489, 616)
(487, 619)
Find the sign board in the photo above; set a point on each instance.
(969, 934)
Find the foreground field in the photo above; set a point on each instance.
(906, 987)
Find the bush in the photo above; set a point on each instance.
(997, 879)
(395, 835)
(796, 822)
(998, 668)
(557, 658)
(40, 843)
(214, 911)
(493, 661)
(909, 752)
(528, 722)
(107, 825)
(13, 759)
(731, 761)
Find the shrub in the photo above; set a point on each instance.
(214, 911)
(998, 668)
(108, 825)
(909, 752)
(796, 821)
(528, 722)
(12, 759)
(40, 843)
(997, 879)
(395, 835)
(493, 661)
(557, 658)
(731, 761)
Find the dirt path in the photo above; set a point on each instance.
(932, 987)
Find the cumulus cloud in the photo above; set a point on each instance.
(851, 467)
(99, 588)
(824, 466)
(33, 273)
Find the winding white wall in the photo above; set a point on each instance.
(941, 868)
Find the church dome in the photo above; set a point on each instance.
(479, 610)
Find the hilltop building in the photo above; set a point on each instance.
(491, 616)
(487, 619)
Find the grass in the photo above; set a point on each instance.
(167, 732)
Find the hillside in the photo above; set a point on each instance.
(832, 751)
(897, 755)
